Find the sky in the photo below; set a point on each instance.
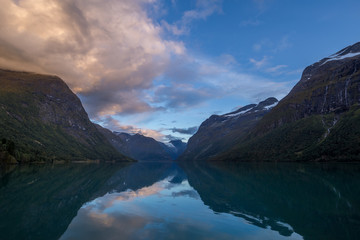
(162, 67)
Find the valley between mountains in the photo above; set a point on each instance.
(42, 120)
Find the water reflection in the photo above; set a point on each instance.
(164, 210)
(39, 201)
(164, 201)
(317, 201)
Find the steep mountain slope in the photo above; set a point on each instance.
(42, 120)
(317, 120)
(176, 148)
(142, 148)
(219, 133)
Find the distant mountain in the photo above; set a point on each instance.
(176, 148)
(143, 148)
(41, 119)
(219, 133)
(318, 120)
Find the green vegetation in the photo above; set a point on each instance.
(285, 143)
(7, 151)
(317, 121)
(45, 122)
(343, 141)
(314, 138)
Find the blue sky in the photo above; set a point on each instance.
(273, 40)
(161, 67)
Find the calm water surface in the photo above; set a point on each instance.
(167, 201)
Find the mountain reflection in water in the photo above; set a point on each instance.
(317, 201)
(165, 201)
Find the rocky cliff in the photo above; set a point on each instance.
(318, 120)
(41, 119)
(328, 86)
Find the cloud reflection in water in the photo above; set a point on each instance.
(163, 210)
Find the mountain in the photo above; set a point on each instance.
(42, 120)
(318, 120)
(219, 133)
(143, 148)
(176, 148)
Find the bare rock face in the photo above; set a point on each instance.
(46, 120)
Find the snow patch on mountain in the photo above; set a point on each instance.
(169, 144)
(238, 113)
(340, 57)
(271, 106)
(256, 108)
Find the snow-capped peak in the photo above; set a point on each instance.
(264, 105)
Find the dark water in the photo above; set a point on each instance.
(167, 201)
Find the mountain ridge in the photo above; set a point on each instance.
(42, 120)
(219, 133)
(142, 148)
(315, 121)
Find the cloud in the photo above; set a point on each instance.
(265, 43)
(188, 131)
(276, 68)
(120, 61)
(283, 44)
(193, 81)
(171, 137)
(204, 8)
(260, 63)
(115, 125)
(228, 60)
(263, 65)
(186, 193)
(108, 52)
(273, 46)
(181, 96)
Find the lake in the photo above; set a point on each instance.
(186, 201)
